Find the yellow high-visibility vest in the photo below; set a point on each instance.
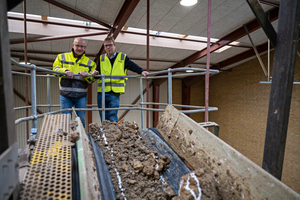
(76, 87)
(113, 83)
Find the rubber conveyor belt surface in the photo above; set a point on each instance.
(177, 167)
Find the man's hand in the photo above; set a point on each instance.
(144, 73)
(82, 74)
(70, 74)
(95, 72)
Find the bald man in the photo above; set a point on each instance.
(73, 89)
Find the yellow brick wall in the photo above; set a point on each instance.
(243, 109)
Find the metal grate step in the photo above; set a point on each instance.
(49, 175)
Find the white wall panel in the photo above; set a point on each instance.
(41, 99)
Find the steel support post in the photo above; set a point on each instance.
(148, 52)
(49, 92)
(33, 96)
(263, 20)
(25, 60)
(9, 173)
(281, 87)
(269, 52)
(141, 89)
(207, 62)
(170, 86)
(156, 100)
(185, 95)
(103, 97)
(89, 102)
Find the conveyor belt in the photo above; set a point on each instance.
(177, 167)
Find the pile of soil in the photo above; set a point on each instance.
(136, 169)
(202, 184)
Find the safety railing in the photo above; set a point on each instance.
(152, 75)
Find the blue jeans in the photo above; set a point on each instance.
(66, 102)
(112, 100)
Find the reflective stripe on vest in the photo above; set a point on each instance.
(69, 89)
(56, 68)
(88, 65)
(63, 60)
(111, 84)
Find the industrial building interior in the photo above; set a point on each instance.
(258, 63)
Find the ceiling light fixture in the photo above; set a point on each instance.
(22, 61)
(188, 2)
(189, 70)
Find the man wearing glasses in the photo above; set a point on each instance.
(115, 64)
(73, 89)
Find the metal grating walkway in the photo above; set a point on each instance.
(49, 175)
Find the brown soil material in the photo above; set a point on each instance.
(180, 133)
(73, 125)
(135, 169)
(201, 184)
(74, 136)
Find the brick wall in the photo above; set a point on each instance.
(243, 109)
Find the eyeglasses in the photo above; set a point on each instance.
(81, 46)
(108, 45)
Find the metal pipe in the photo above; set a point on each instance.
(103, 97)
(207, 61)
(269, 60)
(181, 69)
(141, 90)
(199, 110)
(175, 105)
(24, 74)
(23, 107)
(269, 82)
(137, 76)
(58, 105)
(97, 109)
(33, 97)
(170, 86)
(177, 75)
(25, 60)
(23, 119)
(256, 52)
(212, 71)
(148, 50)
(48, 92)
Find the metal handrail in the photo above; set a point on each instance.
(58, 105)
(34, 106)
